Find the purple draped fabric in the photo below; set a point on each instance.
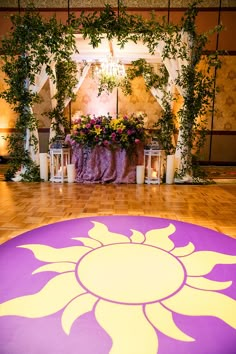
(104, 165)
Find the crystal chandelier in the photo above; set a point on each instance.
(112, 67)
(109, 74)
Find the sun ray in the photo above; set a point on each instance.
(207, 284)
(195, 302)
(89, 242)
(101, 233)
(162, 319)
(128, 328)
(137, 236)
(183, 251)
(60, 267)
(76, 308)
(50, 254)
(160, 238)
(202, 262)
(51, 298)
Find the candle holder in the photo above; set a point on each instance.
(153, 162)
(59, 159)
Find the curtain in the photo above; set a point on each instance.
(174, 67)
(80, 76)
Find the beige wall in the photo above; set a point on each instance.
(225, 116)
(141, 100)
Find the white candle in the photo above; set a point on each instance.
(170, 169)
(43, 164)
(140, 174)
(71, 173)
(150, 171)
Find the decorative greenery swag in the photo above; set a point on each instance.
(34, 42)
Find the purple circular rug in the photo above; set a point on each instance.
(118, 285)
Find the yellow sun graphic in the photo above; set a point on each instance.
(133, 285)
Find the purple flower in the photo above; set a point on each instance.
(113, 136)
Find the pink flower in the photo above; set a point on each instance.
(129, 132)
(113, 136)
(105, 142)
(92, 121)
(88, 125)
(137, 141)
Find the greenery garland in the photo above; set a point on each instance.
(166, 123)
(31, 44)
(34, 43)
(198, 92)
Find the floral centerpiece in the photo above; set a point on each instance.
(124, 132)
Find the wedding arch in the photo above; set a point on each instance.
(37, 50)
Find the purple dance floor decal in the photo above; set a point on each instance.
(118, 285)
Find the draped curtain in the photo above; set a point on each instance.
(174, 67)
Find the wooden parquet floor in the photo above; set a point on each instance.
(25, 206)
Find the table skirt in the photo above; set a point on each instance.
(105, 165)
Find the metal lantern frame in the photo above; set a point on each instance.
(59, 159)
(153, 164)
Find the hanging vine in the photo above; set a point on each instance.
(198, 92)
(156, 79)
(34, 43)
(31, 44)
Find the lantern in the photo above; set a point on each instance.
(153, 162)
(59, 159)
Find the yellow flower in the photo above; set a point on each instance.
(97, 129)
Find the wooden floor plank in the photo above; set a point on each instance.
(25, 206)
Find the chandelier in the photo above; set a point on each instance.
(111, 67)
(109, 74)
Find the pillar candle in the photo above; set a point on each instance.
(140, 174)
(43, 165)
(170, 169)
(71, 173)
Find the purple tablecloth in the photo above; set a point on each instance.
(104, 165)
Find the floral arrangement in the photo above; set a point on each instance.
(124, 132)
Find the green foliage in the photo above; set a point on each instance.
(32, 43)
(166, 126)
(65, 82)
(198, 86)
